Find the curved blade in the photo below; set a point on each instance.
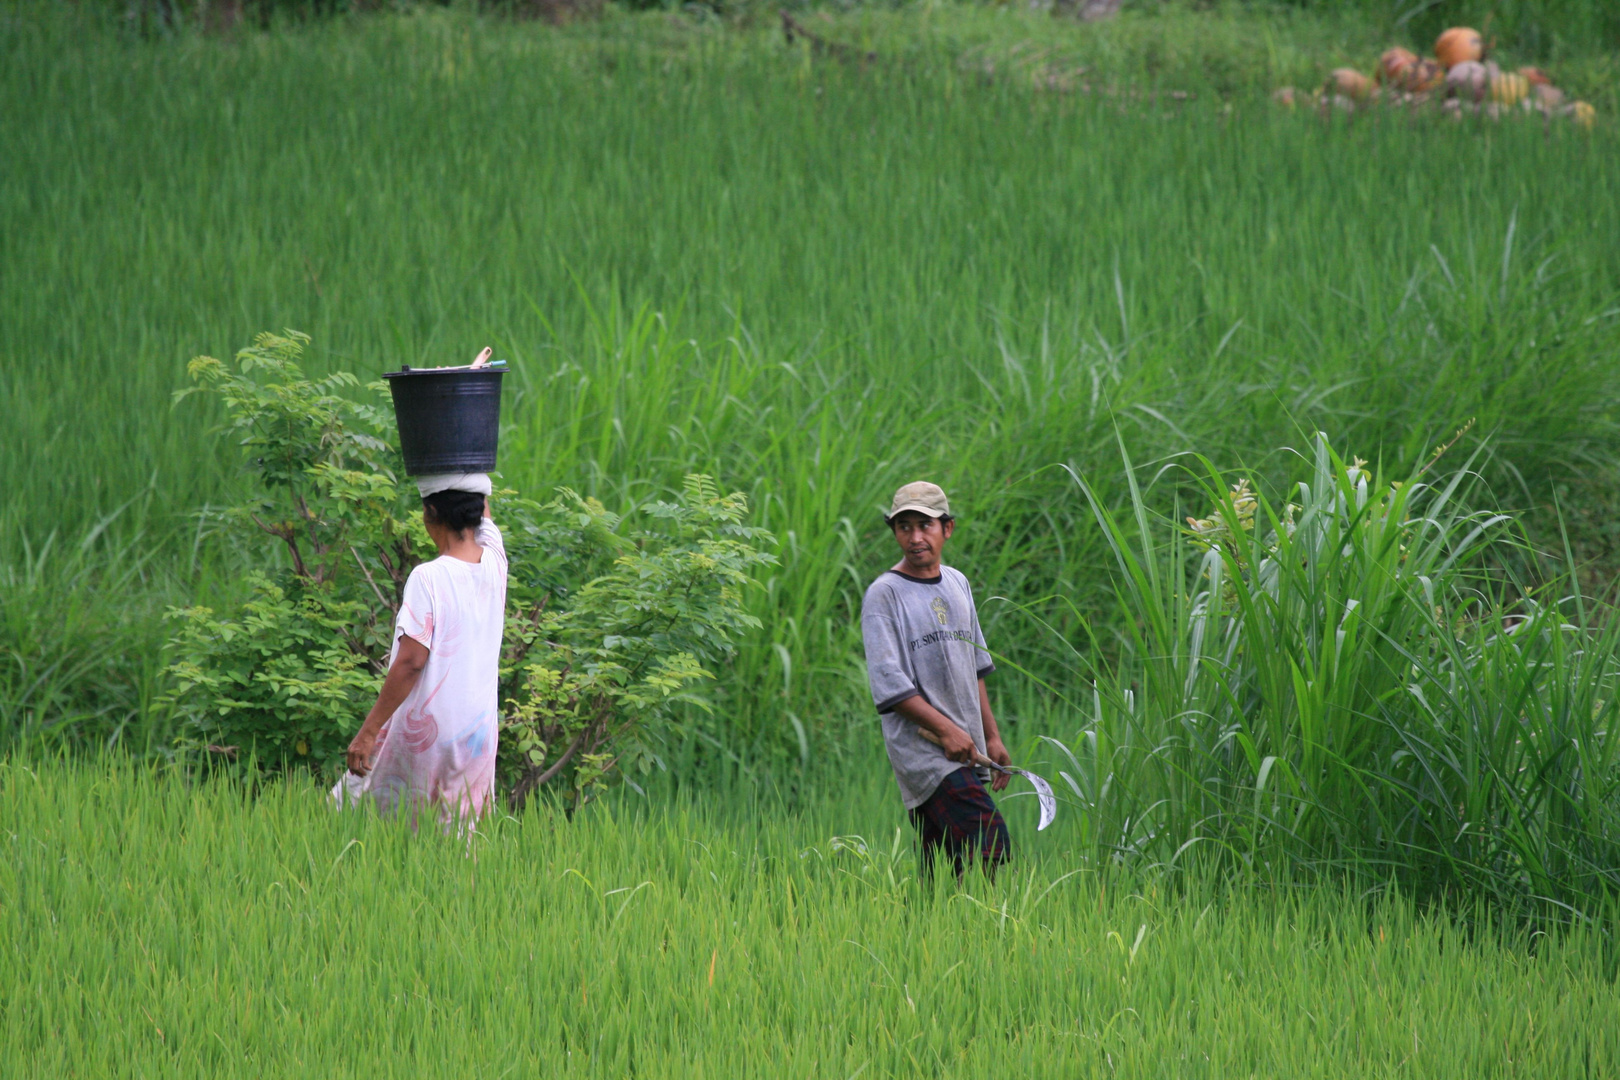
(1043, 795)
(1043, 790)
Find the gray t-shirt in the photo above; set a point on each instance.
(922, 637)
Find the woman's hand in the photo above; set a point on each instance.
(362, 748)
(409, 660)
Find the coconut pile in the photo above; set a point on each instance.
(1459, 81)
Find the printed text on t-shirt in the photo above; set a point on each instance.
(937, 637)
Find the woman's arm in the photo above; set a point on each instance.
(403, 675)
(489, 534)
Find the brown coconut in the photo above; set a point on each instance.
(1459, 45)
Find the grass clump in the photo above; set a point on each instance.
(1342, 685)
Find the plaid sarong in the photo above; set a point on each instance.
(961, 818)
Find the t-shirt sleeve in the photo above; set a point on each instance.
(981, 652)
(415, 619)
(885, 669)
(489, 538)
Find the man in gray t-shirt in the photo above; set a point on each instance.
(926, 662)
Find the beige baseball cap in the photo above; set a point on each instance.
(921, 496)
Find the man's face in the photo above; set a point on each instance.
(921, 539)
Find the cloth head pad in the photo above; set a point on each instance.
(478, 483)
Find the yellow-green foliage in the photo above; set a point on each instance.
(149, 928)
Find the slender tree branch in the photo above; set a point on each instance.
(287, 537)
(318, 550)
(378, 665)
(369, 581)
(388, 564)
(526, 786)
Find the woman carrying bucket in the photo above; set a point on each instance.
(430, 738)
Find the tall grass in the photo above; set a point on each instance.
(1339, 686)
(79, 623)
(703, 252)
(148, 928)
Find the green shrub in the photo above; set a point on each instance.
(594, 674)
(290, 674)
(609, 636)
(1340, 684)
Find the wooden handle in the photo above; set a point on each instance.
(483, 357)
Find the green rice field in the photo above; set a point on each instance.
(1006, 253)
(154, 931)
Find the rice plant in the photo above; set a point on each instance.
(150, 928)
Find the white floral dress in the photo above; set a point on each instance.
(439, 746)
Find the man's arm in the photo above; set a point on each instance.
(993, 747)
(952, 739)
(402, 678)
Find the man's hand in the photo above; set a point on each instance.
(956, 744)
(937, 728)
(996, 752)
(361, 749)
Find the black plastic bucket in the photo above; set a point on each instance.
(449, 418)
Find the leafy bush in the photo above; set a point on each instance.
(1343, 686)
(290, 674)
(609, 636)
(594, 674)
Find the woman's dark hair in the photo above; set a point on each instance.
(457, 511)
